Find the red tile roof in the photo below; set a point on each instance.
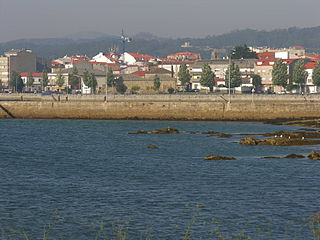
(26, 74)
(185, 54)
(141, 56)
(264, 55)
(310, 65)
(313, 56)
(298, 47)
(140, 73)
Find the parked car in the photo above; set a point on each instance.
(46, 93)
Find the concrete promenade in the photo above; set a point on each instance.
(243, 107)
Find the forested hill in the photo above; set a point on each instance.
(52, 48)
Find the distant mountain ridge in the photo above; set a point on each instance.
(150, 44)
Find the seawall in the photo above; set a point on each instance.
(166, 107)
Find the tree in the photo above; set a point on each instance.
(256, 81)
(184, 75)
(279, 74)
(45, 79)
(16, 82)
(299, 75)
(235, 76)
(74, 79)
(316, 75)
(60, 80)
(207, 77)
(156, 82)
(242, 52)
(120, 86)
(111, 81)
(89, 79)
(30, 80)
(86, 78)
(170, 90)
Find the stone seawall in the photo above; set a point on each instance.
(191, 109)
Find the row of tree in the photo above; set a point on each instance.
(280, 76)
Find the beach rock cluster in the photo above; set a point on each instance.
(168, 130)
(301, 135)
(302, 123)
(217, 157)
(140, 132)
(288, 156)
(217, 134)
(279, 141)
(314, 156)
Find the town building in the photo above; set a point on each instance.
(310, 87)
(4, 72)
(135, 58)
(185, 56)
(220, 67)
(16, 61)
(36, 85)
(144, 80)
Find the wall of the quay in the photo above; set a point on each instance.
(169, 107)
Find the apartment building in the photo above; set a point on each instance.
(4, 72)
(18, 61)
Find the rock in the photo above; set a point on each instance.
(210, 132)
(250, 141)
(217, 134)
(224, 135)
(140, 132)
(294, 156)
(288, 156)
(217, 157)
(152, 147)
(168, 130)
(301, 123)
(308, 129)
(277, 141)
(191, 132)
(314, 156)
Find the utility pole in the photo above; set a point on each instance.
(124, 39)
(229, 79)
(105, 68)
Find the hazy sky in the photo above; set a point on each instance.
(167, 18)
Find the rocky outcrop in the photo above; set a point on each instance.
(288, 156)
(279, 141)
(217, 157)
(314, 156)
(250, 141)
(152, 147)
(298, 135)
(217, 134)
(168, 130)
(140, 132)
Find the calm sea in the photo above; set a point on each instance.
(69, 178)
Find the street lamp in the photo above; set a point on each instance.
(106, 83)
(229, 73)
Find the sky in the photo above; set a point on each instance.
(164, 18)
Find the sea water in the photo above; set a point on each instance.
(89, 179)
